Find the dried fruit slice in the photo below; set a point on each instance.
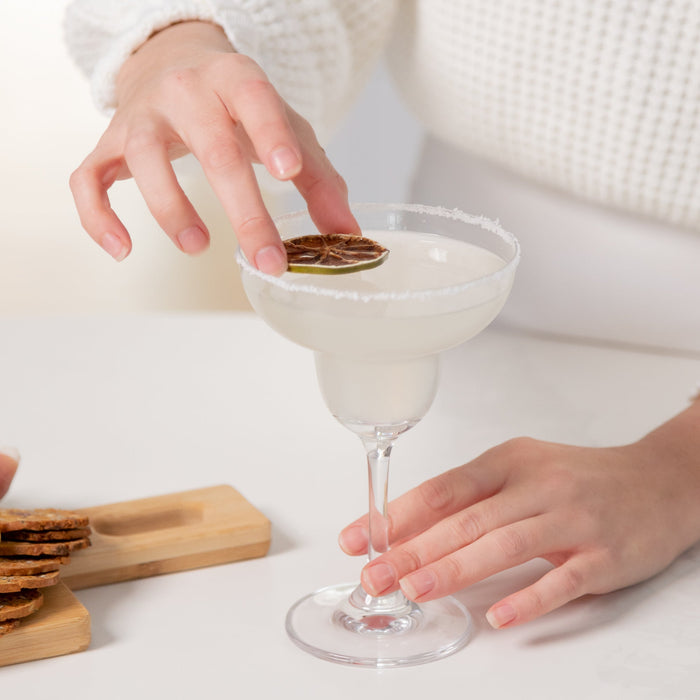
(35, 549)
(81, 543)
(40, 519)
(334, 253)
(8, 626)
(12, 584)
(46, 535)
(26, 567)
(16, 605)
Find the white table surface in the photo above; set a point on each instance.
(111, 409)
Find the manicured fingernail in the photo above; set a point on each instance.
(11, 452)
(193, 240)
(284, 162)
(500, 615)
(418, 584)
(271, 260)
(353, 540)
(113, 245)
(378, 578)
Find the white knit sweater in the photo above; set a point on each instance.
(599, 98)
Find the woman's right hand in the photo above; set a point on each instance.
(9, 459)
(186, 90)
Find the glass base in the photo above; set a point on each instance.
(327, 624)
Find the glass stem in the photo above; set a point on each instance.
(378, 453)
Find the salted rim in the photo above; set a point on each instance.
(456, 214)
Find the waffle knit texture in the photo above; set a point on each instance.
(598, 98)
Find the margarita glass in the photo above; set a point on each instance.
(377, 335)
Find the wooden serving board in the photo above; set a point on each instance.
(135, 539)
(60, 626)
(163, 534)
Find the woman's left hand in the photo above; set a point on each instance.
(605, 518)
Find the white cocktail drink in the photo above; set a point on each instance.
(377, 333)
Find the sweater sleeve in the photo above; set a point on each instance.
(317, 53)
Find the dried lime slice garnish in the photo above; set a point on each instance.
(333, 254)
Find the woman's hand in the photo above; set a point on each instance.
(186, 90)
(605, 518)
(9, 459)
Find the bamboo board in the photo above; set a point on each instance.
(60, 626)
(136, 539)
(163, 534)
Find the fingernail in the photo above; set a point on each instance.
(271, 260)
(418, 584)
(113, 245)
(284, 162)
(378, 578)
(11, 452)
(193, 240)
(500, 615)
(353, 540)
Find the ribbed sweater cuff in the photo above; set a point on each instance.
(103, 79)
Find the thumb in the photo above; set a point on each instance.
(9, 459)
